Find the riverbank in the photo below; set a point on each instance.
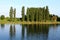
(19, 22)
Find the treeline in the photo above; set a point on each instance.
(12, 14)
(32, 14)
(38, 14)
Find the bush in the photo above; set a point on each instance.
(7, 18)
(2, 17)
(18, 19)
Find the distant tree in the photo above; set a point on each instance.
(14, 13)
(18, 19)
(11, 13)
(43, 14)
(25, 18)
(47, 13)
(40, 14)
(7, 18)
(23, 11)
(27, 14)
(32, 14)
(36, 15)
(2, 17)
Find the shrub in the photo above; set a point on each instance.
(2, 17)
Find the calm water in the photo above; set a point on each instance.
(29, 32)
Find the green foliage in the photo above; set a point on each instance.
(47, 13)
(27, 14)
(14, 13)
(2, 17)
(11, 13)
(37, 14)
(7, 18)
(18, 19)
(23, 11)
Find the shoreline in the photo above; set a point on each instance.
(29, 22)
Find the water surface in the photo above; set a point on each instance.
(29, 32)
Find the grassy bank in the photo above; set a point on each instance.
(19, 22)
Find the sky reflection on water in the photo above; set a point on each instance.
(29, 32)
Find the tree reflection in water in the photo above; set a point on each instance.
(35, 32)
(29, 32)
(12, 32)
(22, 32)
(2, 26)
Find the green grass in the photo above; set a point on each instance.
(25, 22)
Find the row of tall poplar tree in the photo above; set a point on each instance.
(12, 14)
(32, 14)
(36, 14)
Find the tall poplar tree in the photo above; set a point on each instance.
(11, 13)
(36, 15)
(47, 13)
(14, 13)
(23, 11)
(27, 14)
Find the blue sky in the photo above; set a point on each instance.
(54, 6)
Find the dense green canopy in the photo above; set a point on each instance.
(37, 14)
